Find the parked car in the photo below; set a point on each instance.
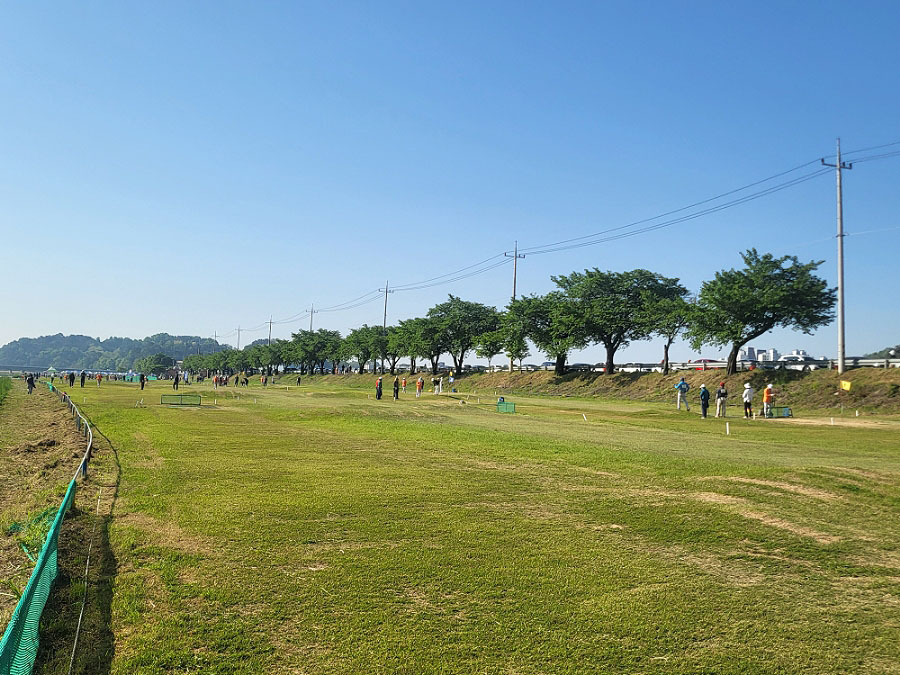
(797, 362)
(579, 367)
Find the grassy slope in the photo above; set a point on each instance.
(873, 389)
(320, 531)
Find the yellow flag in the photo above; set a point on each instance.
(845, 385)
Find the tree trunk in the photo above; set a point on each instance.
(610, 354)
(434, 364)
(457, 363)
(560, 368)
(412, 365)
(731, 368)
(666, 358)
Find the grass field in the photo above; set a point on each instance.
(316, 530)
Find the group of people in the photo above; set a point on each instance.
(398, 386)
(239, 381)
(682, 388)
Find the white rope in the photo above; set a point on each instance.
(84, 595)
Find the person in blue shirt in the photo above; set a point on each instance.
(704, 400)
(683, 388)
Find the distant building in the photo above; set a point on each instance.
(756, 354)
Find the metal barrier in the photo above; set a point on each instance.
(20, 640)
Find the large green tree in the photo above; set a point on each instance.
(614, 305)
(361, 344)
(554, 323)
(460, 322)
(408, 338)
(741, 305)
(154, 364)
(489, 344)
(426, 340)
(668, 313)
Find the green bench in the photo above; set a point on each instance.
(506, 407)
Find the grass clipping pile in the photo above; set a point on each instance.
(39, 453)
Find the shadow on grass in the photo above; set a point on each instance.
(96, 642)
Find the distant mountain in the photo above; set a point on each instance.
(115, 353)
(884, 353)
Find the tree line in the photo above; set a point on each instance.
(593, 307)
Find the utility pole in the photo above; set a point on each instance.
(515, 256)
(384, 323)
(839, 165)
(312, 310)
(239, 338)
(270, 329)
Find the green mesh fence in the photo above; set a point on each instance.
(179, 399)
(20, 641)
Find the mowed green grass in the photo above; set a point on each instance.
(316, 530)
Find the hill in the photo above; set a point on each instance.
(114, 353)
(871, 388)
(883, 354)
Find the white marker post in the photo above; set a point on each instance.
(727, 429)
(584, 416)
(832, 421)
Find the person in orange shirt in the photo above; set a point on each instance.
(768, 400)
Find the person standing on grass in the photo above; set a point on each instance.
(704, 401)
(683, 388)
(298, 380)
(396, 388)
(175, 382)
(378, 389)
(72, 378)
(99, 379)
(721, 400)
(768, 400)
(83, 378)
(143, 381)
(747, 397)
(30, 382)
(404, 385)
(420, 384)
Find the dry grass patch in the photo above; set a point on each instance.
(764, 518)
(794, 488)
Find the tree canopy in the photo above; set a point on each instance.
(740, 305)
(613, 306)
(460, 322)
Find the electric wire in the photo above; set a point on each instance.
(678, 210)
(603, 236)
(692, 216)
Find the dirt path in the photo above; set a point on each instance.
(39, 453)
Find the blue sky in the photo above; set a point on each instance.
(193, 167)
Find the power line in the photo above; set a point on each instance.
(683, 208)
(870, 158)
(603, 236)
(873, 147)
(693, 216)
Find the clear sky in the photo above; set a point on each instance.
(194, 167)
